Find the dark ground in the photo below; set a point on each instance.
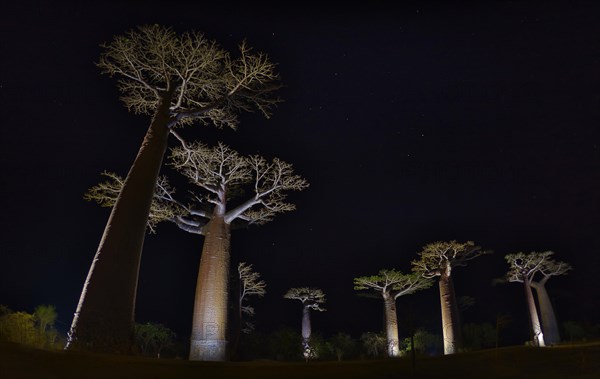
(574, 361)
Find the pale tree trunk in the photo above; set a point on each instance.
(450, 320)
(306, 328)
(209, 326)
(104, 317)
(549, 323)
(534, 321)
(391, 325)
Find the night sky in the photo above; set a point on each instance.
(416, 123)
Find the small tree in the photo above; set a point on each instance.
(45, 316)
(522, 269)
(152, 337)
(249, 285)
(392, 284)
(375, 344)
(311, 298)
(438, 259)
(222, 176)
(178, 80)
(341, 344)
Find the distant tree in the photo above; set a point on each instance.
(522, 269)
(479, 335)
(311, 298)
(502, 321)
(547, 269)
(574, 331)
(45, 316)
(152, 338)
(341, 344)
(424, 342)
(438, 259)
(223, 176)
(18, 327)
(375, 344)
(285, 344)
(249, 285)
(392, 284)
(178, 80)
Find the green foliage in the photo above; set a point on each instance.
(285, 344)
(30, 329)
(341, 345)
(426, 343)
(393, 282)
(374, 344)
(152, 338)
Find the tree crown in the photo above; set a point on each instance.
(209, 84)
(222, 175)
(440, 257)
(393, 282)
(524, 266)
(309, 296)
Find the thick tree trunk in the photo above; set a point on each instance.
(450, 320)
(104, 317)
(391, 325)
(534, 321)
(549, 323)
(306, 328)
(209, 327)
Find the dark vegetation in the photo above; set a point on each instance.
(568, 361)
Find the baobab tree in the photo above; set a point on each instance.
(439, 259)
(548, 269)
(250, 284)
(178, 80)
(311, 298)
(523, 268)
(222, 175)
(392, 284)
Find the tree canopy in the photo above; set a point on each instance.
(207, 82)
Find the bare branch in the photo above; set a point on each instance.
(210, 85)
(441, 257)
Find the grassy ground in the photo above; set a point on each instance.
(580, 361)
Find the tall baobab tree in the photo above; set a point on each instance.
(438, 259)
(548, 269)
(178, 80)
(311, 298)
(392, 284)
(523, 268)
(222, 175)
(250, 284)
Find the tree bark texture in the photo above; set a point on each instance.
(104, 318)
(450, 320)
(549, 323)
(391, 326)
(209, 325)
(534, 321)
(306, 328)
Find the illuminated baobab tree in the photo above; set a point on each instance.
(523, 268)
(222, 175)
(548, 269)
(392, 284)
(311, 298)
(438, 259)
(178, 80)
(249, 285)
